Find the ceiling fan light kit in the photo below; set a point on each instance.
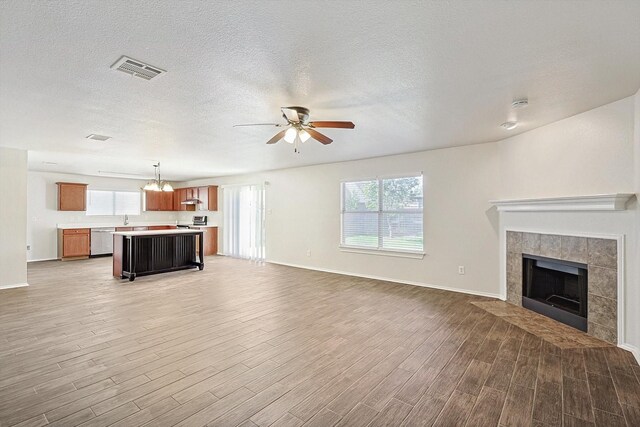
(299, 129)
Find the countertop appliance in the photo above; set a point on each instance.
(200, 220)
(102, 241)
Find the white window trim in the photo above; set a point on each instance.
(379, 251)
(384, 252)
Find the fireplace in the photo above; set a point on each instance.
(555, 288)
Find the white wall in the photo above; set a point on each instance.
(303, 206)
(43, 215)
(13, 217)
(590, 153)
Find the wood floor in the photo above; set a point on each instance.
(246, 344)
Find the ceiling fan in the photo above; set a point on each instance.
(299, 129)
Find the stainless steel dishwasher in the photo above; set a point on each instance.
(102, 241)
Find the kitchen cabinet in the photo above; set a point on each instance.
(72, 196)
(203, 196)
(74, 243)
(210, 239)
(158, 200)
(152, 201)
(212, 191)
(166, 201)
(161, 227)
(208, 195)
(179, 196)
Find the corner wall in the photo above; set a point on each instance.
(590, 153)
(13, 218)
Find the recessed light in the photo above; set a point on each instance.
(509, 125)
(49, 163)
(520, 103)
(97, 137)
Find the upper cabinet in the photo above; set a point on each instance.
(159, 200)
(213, 198)
(72, 196)
(172, 201)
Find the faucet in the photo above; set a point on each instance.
(126, 219)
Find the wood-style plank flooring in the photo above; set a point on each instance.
(258, 345)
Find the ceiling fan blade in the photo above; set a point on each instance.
(277, 137)
(258, 124)
(328, 124)
(319, 137)
(291, 115)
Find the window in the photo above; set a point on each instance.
(383, 214)
(107, 202)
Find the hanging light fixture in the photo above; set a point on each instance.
(157, 184)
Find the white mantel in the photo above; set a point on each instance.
(599, 202)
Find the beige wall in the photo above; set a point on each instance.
(13, 217)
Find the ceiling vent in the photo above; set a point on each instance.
(520, 103)
(137, 68)
(97, 137)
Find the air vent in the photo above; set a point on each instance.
(137, 68)
(520, 103)
(97, 137)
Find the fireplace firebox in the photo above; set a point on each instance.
(555, 288)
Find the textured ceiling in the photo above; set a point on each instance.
(411, 75)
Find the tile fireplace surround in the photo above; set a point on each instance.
(601, 257)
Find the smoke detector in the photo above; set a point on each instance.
(520, 103)
(97, 137)
(509, 125)
(137, 68)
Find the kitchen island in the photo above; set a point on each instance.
(139, 253)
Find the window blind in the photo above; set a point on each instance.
(108, 202)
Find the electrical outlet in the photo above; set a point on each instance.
(461, 269)
(308, 252)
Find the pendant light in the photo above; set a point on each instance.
(157, 184)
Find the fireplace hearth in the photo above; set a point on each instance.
(555, 288)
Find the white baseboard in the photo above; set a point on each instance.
(14, 285)
(43, 259)
(388, 279)
(631, 348)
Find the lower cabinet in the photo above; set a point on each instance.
(74, 243)
(210, 243)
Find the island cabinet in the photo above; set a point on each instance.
(72, 196)
(74, 243)
(138, 253)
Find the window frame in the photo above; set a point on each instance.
(380, 250)
(113, 204)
